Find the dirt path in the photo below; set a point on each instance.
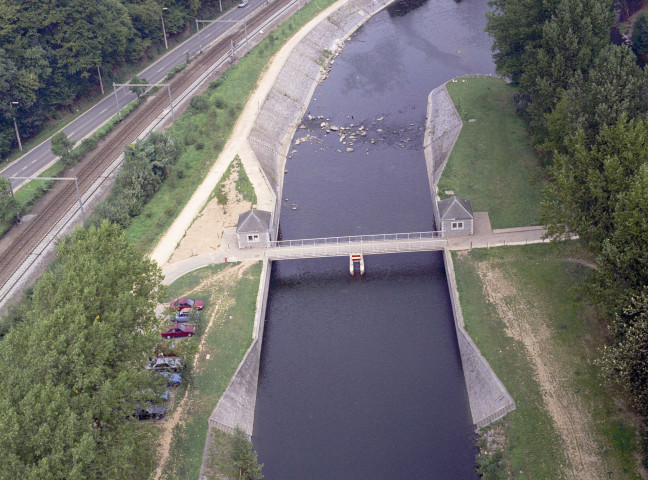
(528, 325)
(228, 278)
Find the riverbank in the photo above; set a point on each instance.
(523, 309)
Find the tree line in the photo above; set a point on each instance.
(586, 105)
(52, 52)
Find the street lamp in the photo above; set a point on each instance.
(11, 104)
(166, 45)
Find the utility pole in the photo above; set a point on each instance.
(117, 100)
(76, 184)
(166, 45)
(100, 81)
(11, 104)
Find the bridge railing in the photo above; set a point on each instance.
(382, 237)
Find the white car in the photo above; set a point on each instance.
(243, 3)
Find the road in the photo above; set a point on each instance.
(38, 158)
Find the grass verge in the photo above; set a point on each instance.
(205, 127)
(231, 306)
(493, 163)
(548, 278)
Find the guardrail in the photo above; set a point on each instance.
(358, 244)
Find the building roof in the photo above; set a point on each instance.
(253, 221)
(455, 208)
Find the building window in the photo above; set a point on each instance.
(457, 226)
(253, 238)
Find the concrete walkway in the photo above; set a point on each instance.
(485, 237)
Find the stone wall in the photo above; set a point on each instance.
(286, 103)
(442, 128)
(489, 399)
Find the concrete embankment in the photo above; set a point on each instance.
(489, 399)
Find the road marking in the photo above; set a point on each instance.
(33, 161)
(104, 110)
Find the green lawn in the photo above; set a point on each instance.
(205, 127)
(492, 163)
(547, 278)
(234, 305)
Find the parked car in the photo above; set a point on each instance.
(151, 411)
(242, 4)
(183, 315)
(165, 364)
(186, 303)
(173, 379)
(179, 330)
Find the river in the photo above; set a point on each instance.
(361, 376)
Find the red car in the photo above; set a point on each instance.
(186, 303)
(179, 330)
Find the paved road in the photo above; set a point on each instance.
(41, 156)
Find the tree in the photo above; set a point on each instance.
(135, 81)
(516, 25)
(73, 370)
(62, 145)
(585, 183)
(570, 42)
(640, 34)
(625, 361)
(8, 204)
(613, 86)
(244, 464)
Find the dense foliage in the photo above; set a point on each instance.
(146, 165)
(50, 51)
(8, 205)
(586, 103)
(73, 369)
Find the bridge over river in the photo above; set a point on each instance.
(355, 245)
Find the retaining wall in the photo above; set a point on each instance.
(442, 128)
(489, 399)
(236, 406)
(286, 103)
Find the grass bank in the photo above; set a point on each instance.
(493, 163)
(229, 291)
(522, 308)
(205, 127)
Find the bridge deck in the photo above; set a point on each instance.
(360, 244)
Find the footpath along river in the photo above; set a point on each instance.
(361, 377)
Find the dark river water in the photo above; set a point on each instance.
(361, 376)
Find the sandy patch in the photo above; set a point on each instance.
(527, 325)
(227, 278)
(206, 232)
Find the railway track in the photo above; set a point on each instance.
(94, 165)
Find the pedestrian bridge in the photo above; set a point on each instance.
(355, 245)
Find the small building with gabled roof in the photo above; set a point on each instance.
(454, 216)
(253, 228)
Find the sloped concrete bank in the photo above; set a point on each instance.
(285, 105)
(489, 399)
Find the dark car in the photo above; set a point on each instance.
(173, 379)
(186, 303)
(179, 330)
(151, 411)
